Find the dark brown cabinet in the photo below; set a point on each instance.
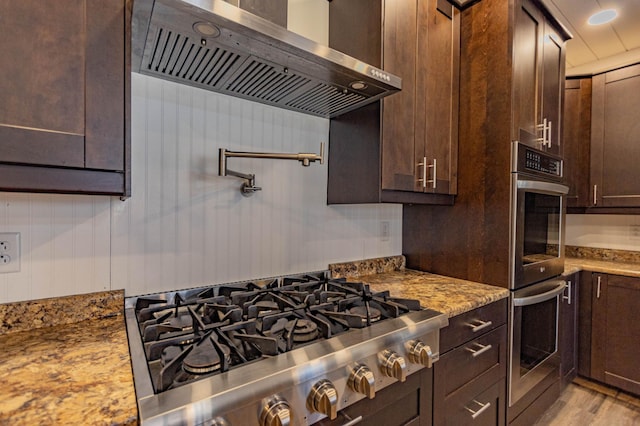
(615, 333)
(577, 140)
(65, 84)
(538, 67)
(470, 240)
(470, 377)
(568, 330)
(615, 152)
(404, 148)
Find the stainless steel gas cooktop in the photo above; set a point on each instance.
(288, 350)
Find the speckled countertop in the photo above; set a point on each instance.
(607, 261)
(75, 372)
(448, 295)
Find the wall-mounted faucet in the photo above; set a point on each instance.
(249, 186)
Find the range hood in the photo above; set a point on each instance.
(215, 46)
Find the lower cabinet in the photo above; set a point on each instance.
(615, 331)
(568, 330)
(403, 403)
(470, 377)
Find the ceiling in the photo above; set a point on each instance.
(595, 49)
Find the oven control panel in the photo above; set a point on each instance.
(532, 161)
(538, 162)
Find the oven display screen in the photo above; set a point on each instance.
(541, 227)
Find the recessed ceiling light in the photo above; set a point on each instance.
(603, 17)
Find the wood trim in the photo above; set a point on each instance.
(622, 73)
(536, 409)
(105, 91)
(599, 327)
(40, 146)
(18, 178)
(408, 197)
(597, 136)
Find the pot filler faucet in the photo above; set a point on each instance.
(249, 185)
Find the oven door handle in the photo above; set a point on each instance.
(539, 298)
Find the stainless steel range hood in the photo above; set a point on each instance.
(213, 45)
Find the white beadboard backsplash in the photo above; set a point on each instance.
(184, 225)
(621, 232)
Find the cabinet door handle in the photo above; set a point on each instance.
(353, 422)
(595, 194)
(568, 296)
(424, 172)
(433, 166)
(549, 134)
(480, 326)
(598, 289)
(482, 409)
(477, 352)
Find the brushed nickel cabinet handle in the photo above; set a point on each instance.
(568, 296)
(433, 166)
(598, 289)
(482, 409)
(477, 352)
(595, 194)
(481, 326)
(424, 172)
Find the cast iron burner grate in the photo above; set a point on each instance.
(203, 332)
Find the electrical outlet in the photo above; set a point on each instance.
(384, 230)
(9, 252)
(634, 232)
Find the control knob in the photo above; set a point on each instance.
(393, 365)
(419, 353)
(275, 412)
(361, 380)
(323, 398)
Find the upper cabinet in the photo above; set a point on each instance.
(65, 84)
(615, 133)
(576, 126)
(403, 149)
(600, 141)
(539, 52)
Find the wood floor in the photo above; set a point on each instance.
(584, 403)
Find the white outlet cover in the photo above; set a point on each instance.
(11, 248)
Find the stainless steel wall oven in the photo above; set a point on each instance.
(537, 253)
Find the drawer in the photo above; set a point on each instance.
(483, 356)
(472, 406)
(469, 325)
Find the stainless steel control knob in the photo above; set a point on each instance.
(393, 365)
(361, 380)
(419, 353)
(323, 398)
(219, 421)
(275, 412)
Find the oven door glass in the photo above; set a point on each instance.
(534, 351)
(538, 244)
(542, 213)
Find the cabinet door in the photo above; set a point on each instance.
(576, 128)
(529, 27)
(615, 340)
(437, 87)
(552, 88)
(615, 151)
(568, 330)
(64, 84)
(399, 163)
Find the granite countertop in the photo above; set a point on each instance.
(616, 267)
(448, 295)
(70, 373)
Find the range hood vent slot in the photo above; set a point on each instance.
(272, 66)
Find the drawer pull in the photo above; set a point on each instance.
(482, 349)
(482, 409)
(480, 325)
(352, 422)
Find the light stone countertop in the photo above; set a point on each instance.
(450, 296)
(616, 267)
(75, 373)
